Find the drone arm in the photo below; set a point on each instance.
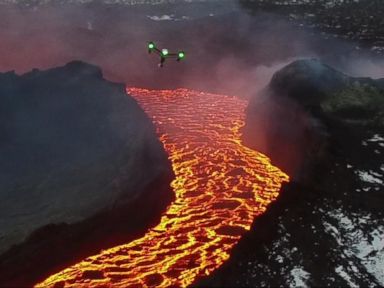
(162, 60)
(156, 50)
(173, 55)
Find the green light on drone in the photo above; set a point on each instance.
(151, 45)
(181, 55)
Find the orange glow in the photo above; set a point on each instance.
(220, 187)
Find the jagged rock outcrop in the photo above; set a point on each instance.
(332, 94)
(288, 121)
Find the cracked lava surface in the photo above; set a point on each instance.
(220, 187)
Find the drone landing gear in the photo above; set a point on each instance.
(161, 64)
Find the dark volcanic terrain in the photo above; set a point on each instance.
(81, 169)
(322, 126)
(327, 227)
(361, 21)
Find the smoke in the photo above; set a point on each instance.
(372, 67)
(231, 52)
(227, 50)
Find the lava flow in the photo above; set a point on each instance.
(220, 187)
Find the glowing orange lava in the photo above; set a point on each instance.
(220, 187)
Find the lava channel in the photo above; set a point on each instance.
(220, 187)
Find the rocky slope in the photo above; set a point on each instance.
(81, 168)
(327, 226)
(357, 20)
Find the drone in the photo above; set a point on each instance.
(165, 54)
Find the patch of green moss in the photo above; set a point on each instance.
(358, 101)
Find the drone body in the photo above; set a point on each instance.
(164, 53)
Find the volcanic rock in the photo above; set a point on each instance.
(318, 87)
(327, 227)
(79, 160)
(289, 121)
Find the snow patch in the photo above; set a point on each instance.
(279, 259)
(300, 277)
(371, 252)
(367, 247)
(167, 18)
(161, 18)
(330, 229)
(369, 177)
(376, 138)
(340, 270)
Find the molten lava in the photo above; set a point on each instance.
(220, 187)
